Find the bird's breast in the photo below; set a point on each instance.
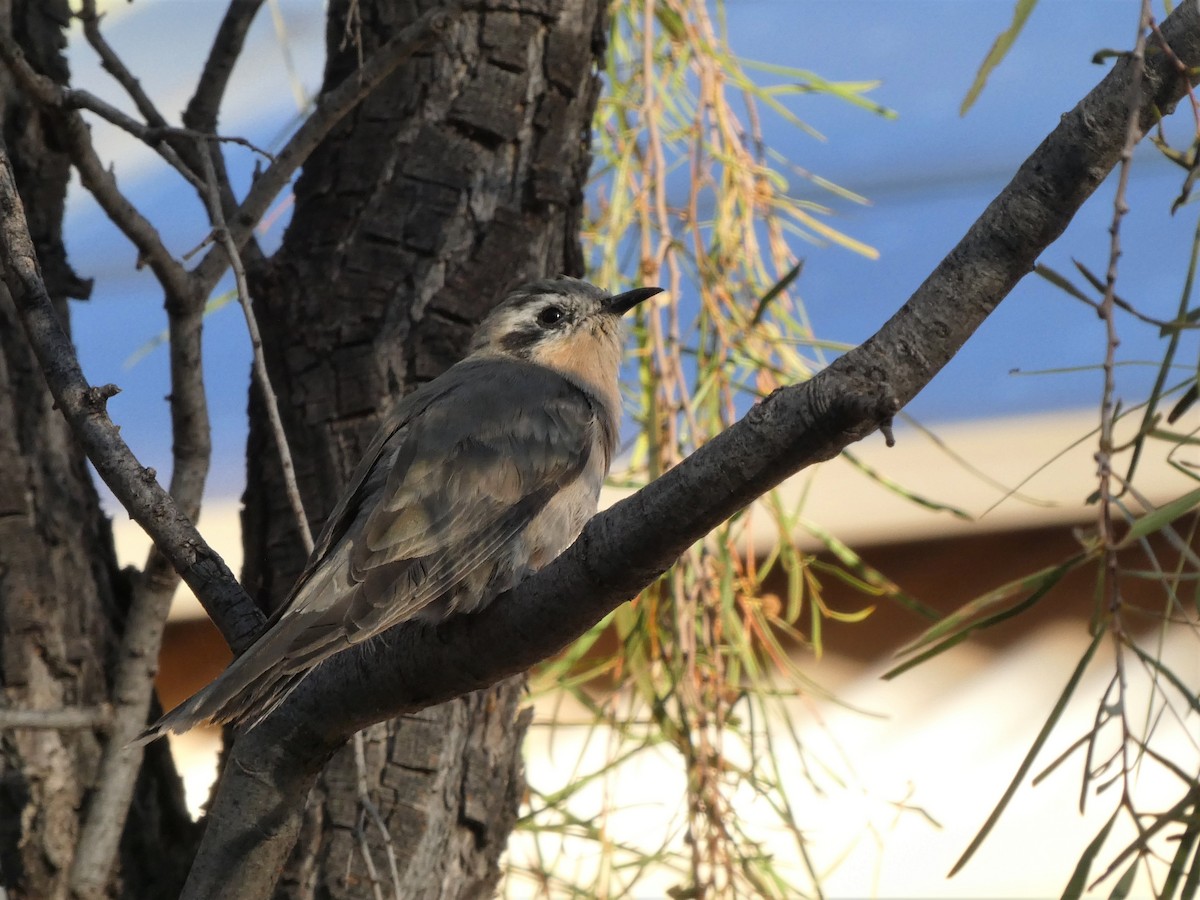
(559, 522)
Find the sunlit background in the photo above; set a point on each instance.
(934, 749)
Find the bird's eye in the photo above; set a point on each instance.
(549, 316)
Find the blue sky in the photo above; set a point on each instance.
(928, 174)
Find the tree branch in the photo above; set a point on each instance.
(135, 486)
(153, 136)
(141, 640)
(205, 105)
(133, 687)
(202, 109)
(261, 378)
(92, 173)
(116, 68)
(257, 811)
(200, 117)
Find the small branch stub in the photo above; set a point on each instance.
(97, 397)
(885, 428)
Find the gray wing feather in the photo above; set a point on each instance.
(443, 490)
(468, 476)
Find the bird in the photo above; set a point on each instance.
(476, 479)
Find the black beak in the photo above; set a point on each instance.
(623, 303)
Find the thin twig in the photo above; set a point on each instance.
(205, 105)
(330, 109)
(1070, 290)
(201, 114)
(156, 511)
(1106, 448)
(92, 172)
(64, 718)
(115, 67)
(369, 809)
(1179, 67)
(261, 378)
(364, 849)
(151, 135)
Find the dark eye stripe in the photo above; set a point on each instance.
(519, 343)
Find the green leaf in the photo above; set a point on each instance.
(898, 489)
(671, 22)
(1179, 863)
(1122, 888)
(849, 91)
(1027, 762)
(1079, 878)
(1192, 882)
(999, 50)
(776, 289)
(1176, 682)
(1161, 517)
(1061, 282)
(855, 565)
(1038, 583)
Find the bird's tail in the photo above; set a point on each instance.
(253, 685)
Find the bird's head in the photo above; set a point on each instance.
(563, 323)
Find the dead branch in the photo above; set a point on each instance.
(261, 378)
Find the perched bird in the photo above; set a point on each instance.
(478, 478)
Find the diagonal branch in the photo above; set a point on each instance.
(115, 67)
(154, 137)
(200, 117)
(135, 486)
(202, 109)
(256, 814)
(133, 677)
(263, 380)
(141, 640)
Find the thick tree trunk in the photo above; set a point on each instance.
(459, 178)
(62, 598)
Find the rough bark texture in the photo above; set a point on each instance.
(62, 599)
(460, 177)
